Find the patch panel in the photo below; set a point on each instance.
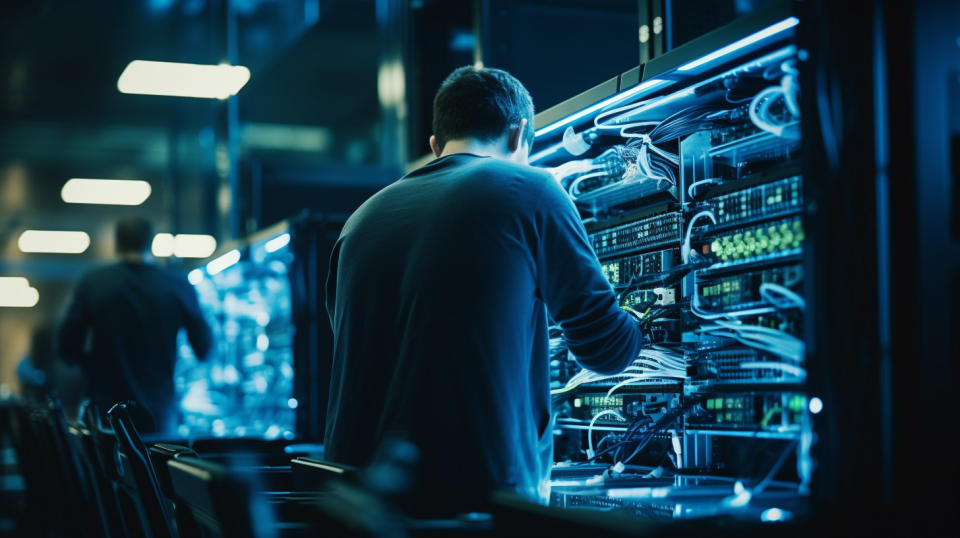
(741, 291)
(756, 411)
(723, 366)
(759, 241)
(645, 234)
(759, 202)
(623, 271)
(644, 297)
(731, 133)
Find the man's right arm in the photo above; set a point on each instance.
(602, 336)
(198, 332)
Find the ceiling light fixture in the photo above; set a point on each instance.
(183, 245)
(15, 291)
(182, 79)
(49, 241)
(105, 191)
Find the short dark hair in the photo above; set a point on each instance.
(133, 234)
(480, 103)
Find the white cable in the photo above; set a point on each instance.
(791, 369)
(619, 110)
(695, 184)
(789, 85)
(569, 168)
(574, 189)
(769, 292)
(594, 421)
(685, 252)
(672, 157)
(762, 95)
(778, 343)
(641, 378)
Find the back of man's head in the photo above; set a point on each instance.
(133, 235)
(482, 104)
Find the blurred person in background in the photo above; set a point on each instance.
(121, 329)
(34, 371)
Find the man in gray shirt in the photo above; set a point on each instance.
(438, 294)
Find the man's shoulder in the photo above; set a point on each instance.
(513, 170)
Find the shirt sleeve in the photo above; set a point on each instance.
(75, 326)
(602, 336)
(198, 332)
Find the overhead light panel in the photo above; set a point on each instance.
(61, 242)
(105, 191)
(223, 262)
(183, 245)
(162, 245)
(182, 79)
(15, 291)
(277, 243)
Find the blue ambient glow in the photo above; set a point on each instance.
(620, 97)
(745, 42)
(774, 514)
(816, 405)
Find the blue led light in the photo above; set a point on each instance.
(816, 405)
(745, 42)
(602, 104)
(774, 514)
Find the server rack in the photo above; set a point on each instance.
(693, 175)
(267, 376)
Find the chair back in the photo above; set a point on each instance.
(136, 469)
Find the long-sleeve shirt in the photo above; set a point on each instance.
(121, 328)
(438, 294)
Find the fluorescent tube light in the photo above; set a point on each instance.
(193, 245)
(223, 262)
(162, 245)
(53, 241)
(15, 291)
(277, 243)
(737, 45)
(195, 276)
(105, 191)
(182, 79)
(183, 245)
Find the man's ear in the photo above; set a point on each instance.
(515, 137)
(435, 146)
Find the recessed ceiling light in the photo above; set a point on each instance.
(105, 191)
(182, 79)
(183, 245)
(16, 291)
(223, 262)
(62, 242)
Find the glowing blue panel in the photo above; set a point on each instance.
(245, 387)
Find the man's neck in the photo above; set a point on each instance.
(475, 147)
